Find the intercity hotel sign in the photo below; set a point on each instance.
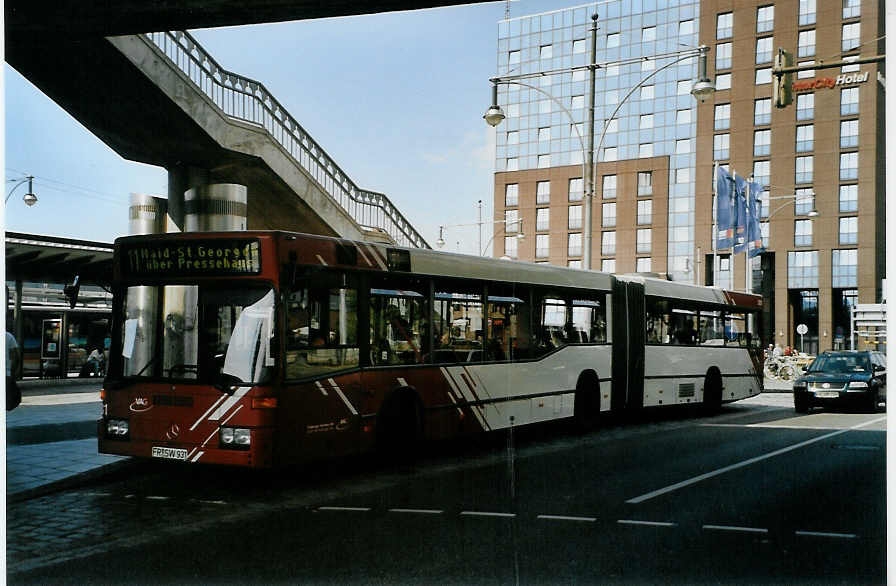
(830, 82)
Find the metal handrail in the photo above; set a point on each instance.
(249, 101)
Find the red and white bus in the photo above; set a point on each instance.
(264, 349)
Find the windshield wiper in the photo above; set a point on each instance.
(148, 364)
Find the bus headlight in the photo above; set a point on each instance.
(235, 438)
(117, 428)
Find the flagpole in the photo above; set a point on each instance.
(714, 223)
(732, 265)
(748, 273)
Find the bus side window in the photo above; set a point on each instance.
(711, 330)
(658, 316)
(589, 319)
(552, 331)
(399, 321)
(321, 331)
(458, 328)
(509, 313)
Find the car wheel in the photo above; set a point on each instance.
(800, 404)
(873, 400)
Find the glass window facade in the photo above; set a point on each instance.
(542, 219)
(849, 198)
(849, 165)
(658, 120)
(643, 265)
(805, 138)
(723, 56)
(849, 101)
(645, 183)
(802, 269)
(576, 189)
(844, 268)
(802, 233)
(849, 133)
(543, 192)
(511, 194)
(849, 230)
(850, 38)
(763, 50)
(645, 212)
(609, 187)
(804, 169)
(806, 44)
(852, 8)
(765, 18)
(805, 201)
(805, 106)
(762, 143)
(722, 117)
(644, 240)
(542, 246)
(608, 215)
(608, 243)
(574, 221)
(724, 25)
(762, 111)
(608, 265)
(574, 244)
(806, 12)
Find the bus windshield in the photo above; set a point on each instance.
(203, 333)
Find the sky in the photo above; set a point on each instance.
(396, 99)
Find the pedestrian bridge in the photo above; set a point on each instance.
(161, 99)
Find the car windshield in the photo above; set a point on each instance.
(202, 333)
(841, 363)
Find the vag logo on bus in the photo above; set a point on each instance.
(140, 404)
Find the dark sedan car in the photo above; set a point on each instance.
(848, 377)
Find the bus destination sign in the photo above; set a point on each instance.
(185, 258)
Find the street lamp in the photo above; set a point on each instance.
(440, 243)
(702, 89)
(29, 198)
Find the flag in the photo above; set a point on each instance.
(754, 231)
(740, 215)
(724, 205)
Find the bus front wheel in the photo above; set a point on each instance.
(400, 425)
(712, 391)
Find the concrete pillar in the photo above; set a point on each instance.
(216, 207)
(182, 178)
(147, 214)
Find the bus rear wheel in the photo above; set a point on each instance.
(400, 426)
(586, 408)
(712, 391)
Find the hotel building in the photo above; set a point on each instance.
(821, 158)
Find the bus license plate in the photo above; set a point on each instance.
(169, 453)
(827, 394)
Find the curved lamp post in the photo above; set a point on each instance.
(702, 89)
(29, 198)
(440, 243)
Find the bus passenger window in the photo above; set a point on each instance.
(321, 331)
(553, 332)
(589, 320)
(684, 327)
(735, 329)
(457, 333)
(658, 318)
(711, 330)
(398, 326)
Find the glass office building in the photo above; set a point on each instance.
(656, 124)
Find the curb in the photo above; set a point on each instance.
(57, 382)
(73, 481)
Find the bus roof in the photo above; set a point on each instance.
(687, 291)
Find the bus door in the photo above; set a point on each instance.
(628, 345)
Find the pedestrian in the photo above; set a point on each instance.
(788, 351)
(13, 394)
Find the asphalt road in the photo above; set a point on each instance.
(755, 494)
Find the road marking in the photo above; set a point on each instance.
(567, 518)
(205, 502)
(648, 523)
(823, 534)
(350, 509)
(700, 478)
(158, 498)
(731, 528)
(418, 511)
(485, 514)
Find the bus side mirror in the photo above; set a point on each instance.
(71, 291)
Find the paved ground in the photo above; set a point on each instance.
(51, 437)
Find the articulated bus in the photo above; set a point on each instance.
(263, 349)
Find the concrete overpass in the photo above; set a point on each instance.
(161, 99)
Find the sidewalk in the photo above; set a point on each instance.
(51, 437)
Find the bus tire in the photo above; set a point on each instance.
(712, 391)
(586, 408)
(399, 425)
